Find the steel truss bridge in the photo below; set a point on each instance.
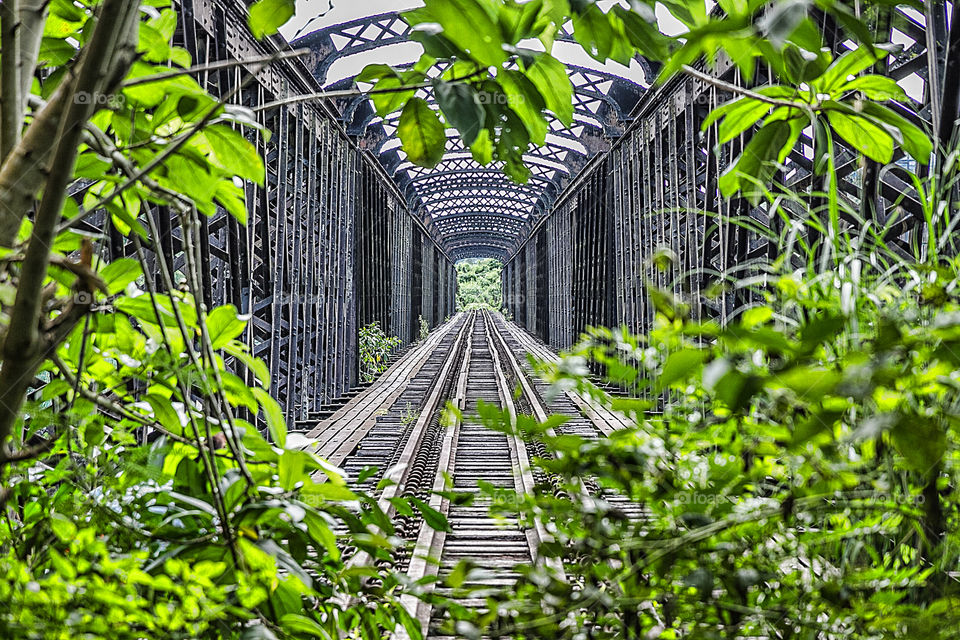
(347, 232)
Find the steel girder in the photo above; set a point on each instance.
(476, 211)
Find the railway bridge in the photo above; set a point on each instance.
(347, 232)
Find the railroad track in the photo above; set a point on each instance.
(470, 453)
(477, 360)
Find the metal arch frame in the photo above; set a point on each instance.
(487, 238)
(390, 29)
(461, 220)
(490, 230)
(470, 214)
(478, 251)
(460, 196)
(455, 231)
(550, 151)
(588, 101)
(542, 174)
(478, 205)
(466, 164)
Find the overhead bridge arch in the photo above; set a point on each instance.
(459, 185)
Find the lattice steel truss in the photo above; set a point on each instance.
(655, 192)
(476, 211)
(330, 244)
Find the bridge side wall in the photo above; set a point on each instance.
(648, 212)
(326, 246)
(638, 217)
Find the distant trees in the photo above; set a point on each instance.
(478, 284)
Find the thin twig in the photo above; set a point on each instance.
(213, 66)
(353, 93)
(732, 88)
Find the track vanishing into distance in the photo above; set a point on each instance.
(395, 426)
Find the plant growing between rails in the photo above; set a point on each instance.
(375, 348)
(409, 416)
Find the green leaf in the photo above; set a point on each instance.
(549, 76)
(815, 424)
(422, 134)
(462, 108)
(119, 273)
(402, 506)
(914, 140)
(642, 34)
(267, 16)
(782, 19)
(298, 624)
(920, 441)
(434, 519)
(223, 325)
(680, 365)
(329, 491)
(237, 391)
(320, 532)
(849, 64)
(256, 365)
(232, 198)
(235, 153)
(472, 26)
(742, 116)
(374, 72)
(387, 103)
(526, 102)
(290, 469)
(592, 29)
(276, 423)
(164, 413)
(756, 163)
(482, 148)
(876, 87)
(63, 527)
(863, 135)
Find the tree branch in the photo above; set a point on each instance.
(732, 88)
(109, 49)
(158, 160)
(33, 17)
(10, 119)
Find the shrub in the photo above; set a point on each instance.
(375, 347)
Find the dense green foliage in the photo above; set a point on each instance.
(148, 486)
(799, 465)
(798, 468)
(479, 285)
